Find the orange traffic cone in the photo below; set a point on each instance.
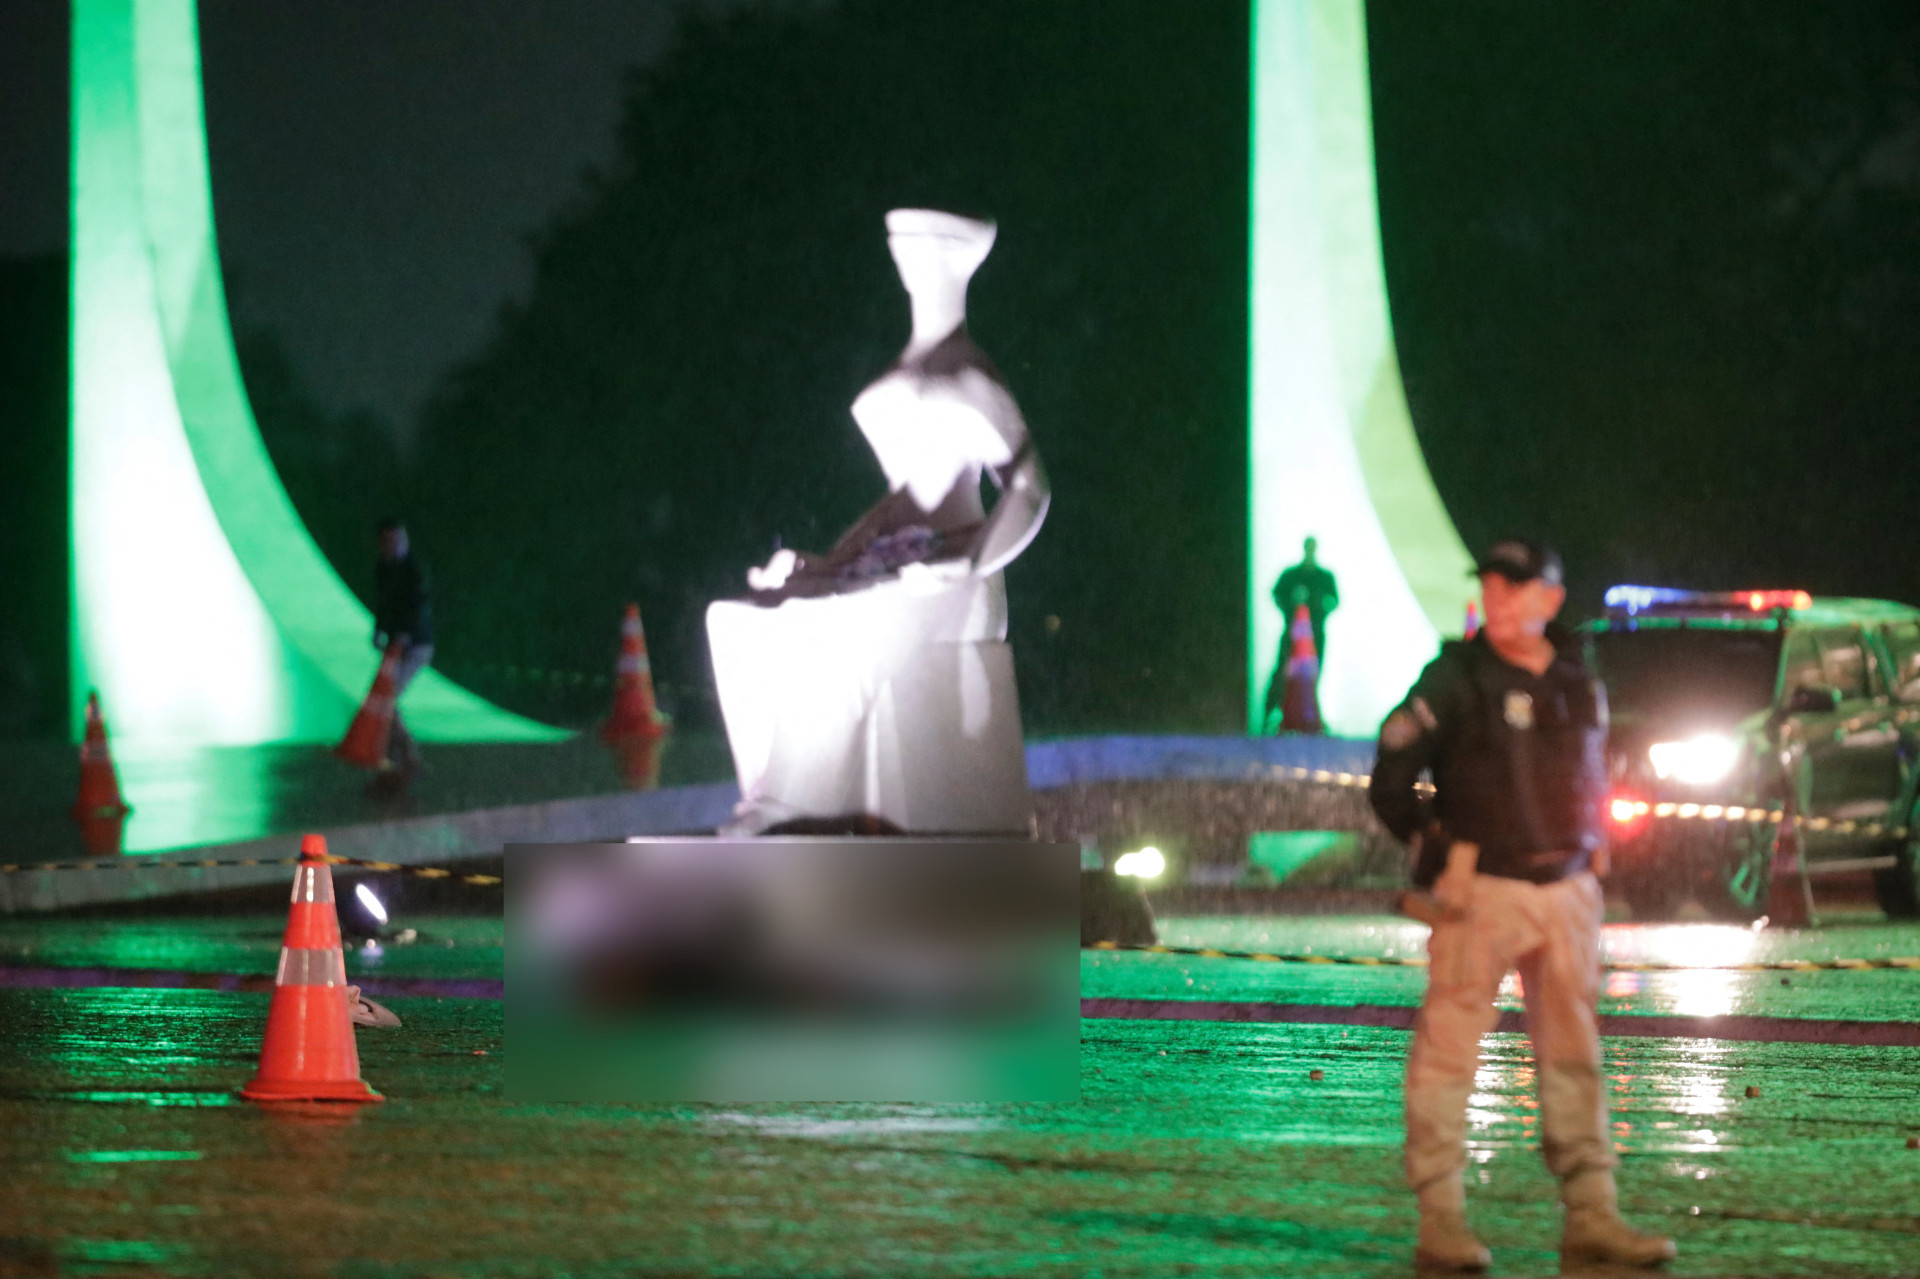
(1300, 709)
(634, 713)
(309, 1053)
(104, 834)
(365, 745)
(1789, 893)
(640, 761)
(1473, 620)
(99, 796)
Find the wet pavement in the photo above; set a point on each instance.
(1197, 1148)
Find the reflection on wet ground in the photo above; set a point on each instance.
(1875, 995)
(192, 797)
(1196, 1148)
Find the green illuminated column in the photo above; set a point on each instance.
(1332, 452)
(202, 611)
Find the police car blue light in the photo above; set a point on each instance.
(1635, 598)
(1639, 599)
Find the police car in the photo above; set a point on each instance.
(1758, 700)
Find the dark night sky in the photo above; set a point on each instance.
(1655, 268)
(377, 166)
(1656, 282)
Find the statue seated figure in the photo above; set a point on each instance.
(873, 682)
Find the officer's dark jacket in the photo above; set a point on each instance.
(402, 602)
(1518, 762)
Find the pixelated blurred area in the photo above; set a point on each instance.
(710, 969)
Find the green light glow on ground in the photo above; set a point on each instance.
(1203, 1148)
(1332, 451)
(202, 611)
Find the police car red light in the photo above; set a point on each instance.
(1646, 599)
(1627, 812)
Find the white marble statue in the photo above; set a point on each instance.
(875, 681)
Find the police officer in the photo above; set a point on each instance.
(403, 615)
(1512, 727)
(1312, 586)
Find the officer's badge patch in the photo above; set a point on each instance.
(1519, 708)
(1400, 731)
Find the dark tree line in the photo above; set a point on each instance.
(1654, 274)
(33, 497)
(672, 395)
(1656, 282)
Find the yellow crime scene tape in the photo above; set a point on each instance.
(144, 863)
(1903, 962)
(1642, 808)
(1910, 963)
(1277, 772)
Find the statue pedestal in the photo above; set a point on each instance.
(896, 701)
(893, 698)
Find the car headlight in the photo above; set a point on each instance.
(1144, 863)
(1696, 761)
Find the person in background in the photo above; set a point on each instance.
(1512, 727)
(1306, 583)
(402, 615)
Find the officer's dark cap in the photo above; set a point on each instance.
(1520, 561)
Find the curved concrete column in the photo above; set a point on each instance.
(1332, 453)
(202, 610)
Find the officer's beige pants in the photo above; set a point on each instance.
(1551, 933)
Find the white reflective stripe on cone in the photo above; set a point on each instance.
(309, 885)
(311, 968)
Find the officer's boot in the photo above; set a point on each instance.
(1436, 1164)
(1573, 1115)
(1594, 1232)
(1446, 1242)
